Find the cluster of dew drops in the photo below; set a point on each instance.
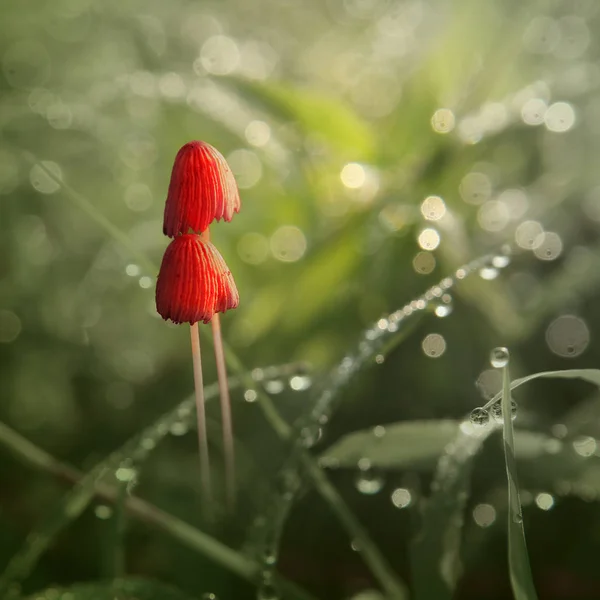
(482, 415)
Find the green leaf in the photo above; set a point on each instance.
(407, 444)
(419, 444)
(518, 558)
(435, 551)
(120, 589)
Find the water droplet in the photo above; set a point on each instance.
(209, 596)
(484, 515)
(488, 273)
(310, 435)
(267, 591)
(500, 261)
(499, 357)
(517, 518)
(103, 512)
(479, 417)
(496, 410)
(368, 480)
(250, 395)
(275, 386)
(178, 428)
(125, 474)
(258, 374)
(270, 556)
(323, 419)
(544, 501)
(379, 359)
(445, 307)
(401, 498)
(300, 383)
(379, 431)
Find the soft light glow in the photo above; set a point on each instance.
(424, 263)
(220, 55)
(288, 244)
(585, 446)
(443, 120)
(484, 515)
(493, 216)
(549, 247)
(429, 239)
(401, 498)
(353, 175)
(529, 235)
(559, 117)
(253, 248)
(434, 345)
(534, 111)
(475, 188)
(433, 208)
(246, 167)
(544, 501)
(568, 336)
(258, 133)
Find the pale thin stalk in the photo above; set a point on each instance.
(201, 416)
(228, 443)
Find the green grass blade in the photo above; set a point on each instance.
(124, 589)
(590, 375)
(435, 551)
(518, 558)
(78, 498)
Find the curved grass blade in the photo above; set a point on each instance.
(147, 513)
(442, 516)
(589, 375)
(518, 558)
(123, 589)
(435, 551)
(77, 499)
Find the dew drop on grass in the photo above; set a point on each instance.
(379, 359)
(275, 386)
(445, 307)
(209, 596)
(479, 417)
(488, 273)
(500, 261)
(267, 591)
(368, 480)
(401, 498)
(496, 410)
(103, 512)
(310, 435)
(250, 395)
(379, 431)
(300, 383)
(269, 557)
(499, 357)
(178, 428)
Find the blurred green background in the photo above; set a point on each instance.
(378, 146)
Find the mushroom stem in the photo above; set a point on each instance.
(228, 444)
(201, 416)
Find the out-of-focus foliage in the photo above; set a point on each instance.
(378, 145)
